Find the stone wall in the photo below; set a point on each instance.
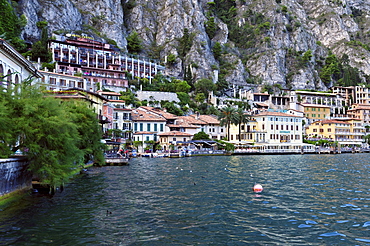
(14, 175)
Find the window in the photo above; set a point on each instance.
(313, 115)
(329, 129)
(155, 127)
(53, 81)
(287, 127)
(173, 139)
(272, 127)
(314, 130)
(296, 128)
(147, 138)
(148, 127)
(291, 127)
(161, 127)
(141, 127)
(135, 127)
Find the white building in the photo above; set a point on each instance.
(280, 127)
(14, 68)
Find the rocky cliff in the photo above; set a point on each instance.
(285, 42)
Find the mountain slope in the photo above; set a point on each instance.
(300, 44)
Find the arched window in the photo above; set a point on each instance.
(9, 77)
(16, 79)
(1, 74)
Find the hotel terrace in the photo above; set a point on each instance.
(102, 65)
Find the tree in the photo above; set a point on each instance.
(226, 118)
(240, 119)
(89, 132)
(217, 50)
(45, 132)
(134, 43)
(184, 98)
(54, 137)
(40, 48)
(204, 86)
(201, 136)
(11, 26)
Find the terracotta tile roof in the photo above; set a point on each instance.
(183, 124)
(140, 115)
(190, 120)
(175, 133)
(266, 113)
(160, 112)
(209, 119)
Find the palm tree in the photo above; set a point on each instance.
(240, 119)
(226, 117)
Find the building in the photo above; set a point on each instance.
(212, 127)
(102, 65)
(353, 94)
(360, 112)
(166, 139)
(93, 100)
(338, 131)
(57, 81)
(278, 127)
(250, 134)
(14, 68)
(315, 112)
(146, 126)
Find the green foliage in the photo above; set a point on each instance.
(200, 97)
(184, 98)
(47, 131)
(201, 136)
(226, 117)
(171, 108)
(239, 120)
(330, 69)
(42, 24)
(185, 43)
(11, 26)
(89, 132)
(217, 50)
(40, 48)
(228, 146)
(211, 27)
(134, 43)
(204, 86)
(171, 59)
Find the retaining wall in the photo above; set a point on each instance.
(14, 175)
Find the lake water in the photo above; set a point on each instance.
(307, 200)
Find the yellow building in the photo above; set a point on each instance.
(248, 133)
(315, 112)
(360, 112)
(343, 132)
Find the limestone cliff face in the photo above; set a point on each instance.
(296, 26)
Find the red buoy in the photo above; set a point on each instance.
(257, 188)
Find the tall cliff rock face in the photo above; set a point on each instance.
(281, 42)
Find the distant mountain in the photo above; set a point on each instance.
(298, 44)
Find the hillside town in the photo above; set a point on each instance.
(276, 121)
